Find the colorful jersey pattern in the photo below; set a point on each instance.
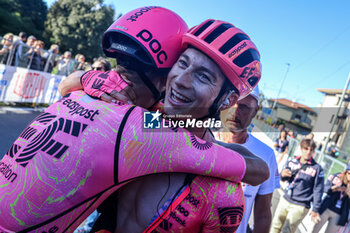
(212, 205)
(80, 150)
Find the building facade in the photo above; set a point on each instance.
(340, 136)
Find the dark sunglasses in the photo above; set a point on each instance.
(97, 68)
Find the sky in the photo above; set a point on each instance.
(312, 36)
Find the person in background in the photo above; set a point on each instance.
(7, 46)
(305, 185)
(23, 52)
(35, 55)
(291, 134)
(101, 64)
(310, 136)
(281, 146)
(281, 127)
(335, 207)
(81, 64)
(297, 151)
(21, 39)
(50, 58)
(236, 121)
(66, 65)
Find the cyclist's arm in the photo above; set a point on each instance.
(110, 87)
(142, 152)
(225, 209)
(257, 170)
(71, 83)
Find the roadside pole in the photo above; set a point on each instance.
(334, 119)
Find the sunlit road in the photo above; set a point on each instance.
(12, 122)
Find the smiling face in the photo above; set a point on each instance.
(193, 84)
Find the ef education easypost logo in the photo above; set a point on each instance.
(151, 120)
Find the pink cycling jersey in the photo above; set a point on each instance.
(203, 204)
(212, 205)
(80, 150)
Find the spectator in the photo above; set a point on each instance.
(281, 127)
(305, 185)
(35, 60)
(66, 65)
(297, 151)
(291, 134)
(7, 46)
(50, 58)
(81, 64)
(335, 207)
(345, 229)
(22, 53)
(236, 121)
(310, 136)
(101, 64)
(281, 146)
(333, 150)
(22, 40)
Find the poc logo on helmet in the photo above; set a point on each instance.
(153, 44)
(134, 17)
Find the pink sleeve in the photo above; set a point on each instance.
(95, 83)
(147, 151)
(225, 208)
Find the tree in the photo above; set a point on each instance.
(23, 15)
(78, 26)
(33, 15)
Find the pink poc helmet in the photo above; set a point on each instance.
(151, 35)
(231, 49)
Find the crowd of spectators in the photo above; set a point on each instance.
(28, 52)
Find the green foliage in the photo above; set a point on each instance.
(78, 26)
(113, 62)
(22, 15)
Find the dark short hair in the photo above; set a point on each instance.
(22, 35)
(106, 64)
(305, 143)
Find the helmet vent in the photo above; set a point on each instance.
(205, 26)
(252, 81)
(232, 42)
(247, 57)
(217, 32)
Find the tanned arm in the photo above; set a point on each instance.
(257, 170)
(262, 213)
(71, 83)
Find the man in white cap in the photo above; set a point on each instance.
(236, 121)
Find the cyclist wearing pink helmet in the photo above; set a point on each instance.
(80, 150)
(197, 86)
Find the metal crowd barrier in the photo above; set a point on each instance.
(11, 56)
(329, 164)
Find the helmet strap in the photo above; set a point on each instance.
(214, 108)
